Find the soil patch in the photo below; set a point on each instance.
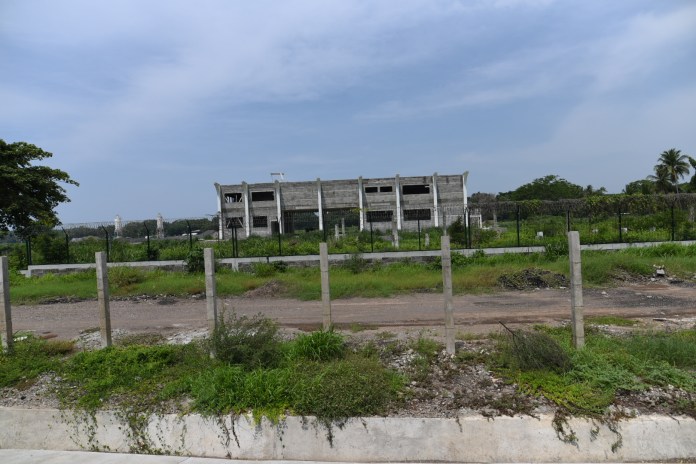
(271, 289)
(532, 278)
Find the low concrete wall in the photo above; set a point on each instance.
(313, 260)
(374, 439)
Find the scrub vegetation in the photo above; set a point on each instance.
(324, 374)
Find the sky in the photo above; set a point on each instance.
(148, 104)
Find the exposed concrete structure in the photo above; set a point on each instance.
(468, 438)
(268, 208)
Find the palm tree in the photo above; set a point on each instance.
(671, 167)
(661, 180)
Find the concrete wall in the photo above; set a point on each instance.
(470, 438)
(313, 260)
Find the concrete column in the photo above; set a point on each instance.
(103, 299)
(279, 211)
(221, 219)
(210, 288)
(247, 218)
(361, 206)
(395, 234)
(447, 293)
(435, 209)
(325, 289)
(320, 209)
(466, 197)
(576, 304)
(397, 192)
(6, 323)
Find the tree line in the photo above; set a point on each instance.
(671, 168)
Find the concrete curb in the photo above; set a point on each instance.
(372, 439)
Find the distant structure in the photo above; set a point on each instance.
(118, 226)
(396, 203)
(160, 226)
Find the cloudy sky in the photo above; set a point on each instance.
(147, 104)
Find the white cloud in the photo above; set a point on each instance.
(643, 46)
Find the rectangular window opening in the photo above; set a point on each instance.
(417, 214)
(234, 222)
(386, 188)
(260, 221)
(263, 196)
(370, 189)
(416, 189)
(233, 198)
(380, 216)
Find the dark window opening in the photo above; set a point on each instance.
(370, 189)
(234, 222)
(417, 214)
(233, 197)
(263, 196)
(416, 189)
(380, 216)
(386, 188)
(260, 221)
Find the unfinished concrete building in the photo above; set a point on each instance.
(401, 203)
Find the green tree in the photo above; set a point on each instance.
(547, 188)
(640, 187)
(29, 193)
(671, 167)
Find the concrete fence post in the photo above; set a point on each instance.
(576, 305)
(210, 288)
(446, 260)
(6, 323)
(103, 298)
(325, 288)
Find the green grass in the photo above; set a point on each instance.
(470, 275)
(611, 320)
(606, 366)
(31, 358)
(314, 374)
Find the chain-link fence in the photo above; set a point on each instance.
(496, 224)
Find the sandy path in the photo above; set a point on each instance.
(473, 313)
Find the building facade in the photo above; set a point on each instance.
(401, 203)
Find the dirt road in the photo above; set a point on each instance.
(473, 313)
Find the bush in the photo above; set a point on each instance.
(457, 232)
(556, 248)
(535, 351)
(124, 276)
(195, 262)
(318, 346)
(263, 269)
(249, 342)
(356, 263)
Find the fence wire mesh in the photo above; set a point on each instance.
(495, 224)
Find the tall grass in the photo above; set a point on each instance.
(606, 366)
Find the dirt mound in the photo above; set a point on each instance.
(531, 278)
(272, 288)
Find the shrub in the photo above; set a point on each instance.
(535, 351)
(124, 276)
(356, 263)
(556, 248)
(457, 232)
(195, 262)
(318, 346)
(263, 269)
(250, 342)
